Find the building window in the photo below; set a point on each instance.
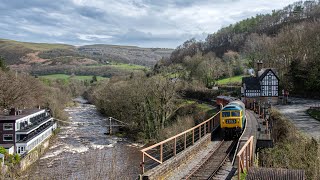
(7, 126)
(7, 137)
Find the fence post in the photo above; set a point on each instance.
(239, 171)
(199, 132)
(185, 141)
(205, 128)
(161, 152)
(247, 163)
(192, 136)
(175, 147)
(142, 165)
(251, 150)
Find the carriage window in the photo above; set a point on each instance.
(235, 113)
(225, 114)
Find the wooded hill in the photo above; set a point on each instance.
(15, 52)
(286, 39)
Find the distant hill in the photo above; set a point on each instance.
(124, 54)
(25, 54)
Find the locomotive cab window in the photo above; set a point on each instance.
(226, 114)
(235, 113)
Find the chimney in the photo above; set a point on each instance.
(259, 64)
(13, 112)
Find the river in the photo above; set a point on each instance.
(82, 151)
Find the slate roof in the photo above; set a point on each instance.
(24, 113)
(264, 71)
(252, 83)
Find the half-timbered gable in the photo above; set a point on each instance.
(269, 83)
(264, 87)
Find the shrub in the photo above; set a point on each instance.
(292, 150)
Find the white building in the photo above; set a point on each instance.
(25, 129)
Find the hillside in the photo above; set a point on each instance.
(286, 39)
(124, 54)
(25, 54)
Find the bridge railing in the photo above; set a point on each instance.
(245, 157)
(158, 153)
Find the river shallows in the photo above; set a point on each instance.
(82, 151)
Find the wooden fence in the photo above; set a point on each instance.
(245, 157)
(156, 154)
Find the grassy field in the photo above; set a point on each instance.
(122, 66)
(66, 77)
(128, 66)
(231, 80)
(202, 106)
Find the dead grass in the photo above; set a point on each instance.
(182, 123)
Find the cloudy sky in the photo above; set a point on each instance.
(146, 23)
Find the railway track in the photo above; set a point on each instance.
(214, 161)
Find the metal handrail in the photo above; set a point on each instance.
(245, 156)
(206, 124)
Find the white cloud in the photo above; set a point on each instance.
(92, 37)
(165, 23)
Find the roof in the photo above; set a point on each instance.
(232, 107)
(24, 113)
(275, 174)
(264, 71)
(252, 83)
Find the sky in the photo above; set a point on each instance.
(144, 23)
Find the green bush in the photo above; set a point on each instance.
(3, 150)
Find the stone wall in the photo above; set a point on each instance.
(161, 171)
(34, 155)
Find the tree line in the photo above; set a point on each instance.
(286, 39)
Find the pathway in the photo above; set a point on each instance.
(296, 112)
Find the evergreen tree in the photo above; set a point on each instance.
(3, 65)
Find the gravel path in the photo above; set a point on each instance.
(296, 112)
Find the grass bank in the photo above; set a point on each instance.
(231, 80)
(292, 150)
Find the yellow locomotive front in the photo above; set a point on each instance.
(232, 119)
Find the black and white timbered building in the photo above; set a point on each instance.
(264, 87)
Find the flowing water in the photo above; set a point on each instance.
(82, 151)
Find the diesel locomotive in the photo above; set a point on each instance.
(232, 118)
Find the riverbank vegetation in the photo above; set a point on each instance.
(20, 90)
(292, 150)
(315, 113)
(150, 104)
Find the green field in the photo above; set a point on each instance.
(231, 80)
(128, 66)
(122, 66)
(66, 77)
